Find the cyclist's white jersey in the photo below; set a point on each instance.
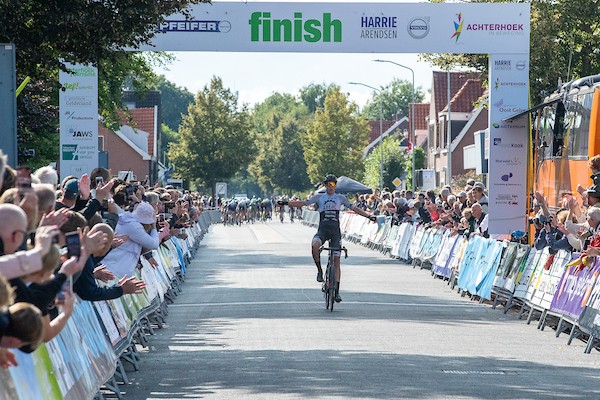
(329, 206)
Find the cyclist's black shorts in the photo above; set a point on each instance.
(329, 232)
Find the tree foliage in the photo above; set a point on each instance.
(313, 95)
(215, 137)
(279, 124)
(175, 101)
(394, 163)
(335, 139)
(78, 31)
(563, 32)
(395, 98)
(419, 154)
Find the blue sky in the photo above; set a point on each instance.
(255, 76)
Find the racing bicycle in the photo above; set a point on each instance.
(330, 275)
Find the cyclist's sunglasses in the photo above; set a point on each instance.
(331, 184)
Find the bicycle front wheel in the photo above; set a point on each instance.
(331, 291)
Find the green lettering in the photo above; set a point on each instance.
(284, 24)
(297, 27)
(254, 23)
(266, 27)
(262, 28)
(313, 33)
(328, 24)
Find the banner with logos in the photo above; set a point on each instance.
(507, 178)
(481, 28)
(78, 105)
(574, 290)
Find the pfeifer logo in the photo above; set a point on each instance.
(458, 26)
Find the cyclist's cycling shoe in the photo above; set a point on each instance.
(337, 298)
(320, 276)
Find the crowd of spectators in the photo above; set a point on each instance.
(81, 237)
(573, 224)
(465, 211)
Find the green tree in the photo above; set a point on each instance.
(564, 43)
(168, 136)
(175, 101)
(395, 98)
(313, 95)
(335, 139)
(215, 137)
(394, 163)
(278, 125)
(80, 31)
(419, 164)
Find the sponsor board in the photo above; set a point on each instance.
(480, 28)
(78, 102)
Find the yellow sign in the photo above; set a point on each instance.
(396, 181)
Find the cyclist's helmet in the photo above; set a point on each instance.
(330, 178)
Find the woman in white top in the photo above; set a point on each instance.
(140, 227)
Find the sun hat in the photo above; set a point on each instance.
(144, 213)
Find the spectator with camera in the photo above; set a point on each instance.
(86, 286)
(140, 228)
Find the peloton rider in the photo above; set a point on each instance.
(329, 205)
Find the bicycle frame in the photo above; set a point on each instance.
(330, 275)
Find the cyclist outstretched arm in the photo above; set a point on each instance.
(362, 212)
(296, 203)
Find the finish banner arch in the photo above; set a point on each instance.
(501, 30)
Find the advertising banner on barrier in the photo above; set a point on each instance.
(574, 290)
(441, 265)
(510, 265)
(590, 316)
(347, 27)
(549, 278)
(78, 108)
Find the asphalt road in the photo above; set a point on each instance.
(251, 324)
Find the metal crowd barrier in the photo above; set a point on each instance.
(87, 357)
(536, 283)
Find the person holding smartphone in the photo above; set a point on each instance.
(140, 228)
(86, 286)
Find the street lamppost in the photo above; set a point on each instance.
(380, 129)
(412, 123)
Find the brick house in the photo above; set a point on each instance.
(465, 89)
(133, 148)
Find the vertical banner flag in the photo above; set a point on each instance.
(78, 103)
(509, 86)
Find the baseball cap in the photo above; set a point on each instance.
(593, 191)
(479, 184)
(72, 186)
(462, 194)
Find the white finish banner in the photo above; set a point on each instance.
(482, 28)
(78, 102)
(507, 183)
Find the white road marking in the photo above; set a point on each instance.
(263, 303)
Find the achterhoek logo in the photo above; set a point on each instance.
(458, 26)
(491, 28)
(265, 29)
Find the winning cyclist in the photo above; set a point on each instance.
(329, 205)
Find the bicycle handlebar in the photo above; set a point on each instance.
(345, 250)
